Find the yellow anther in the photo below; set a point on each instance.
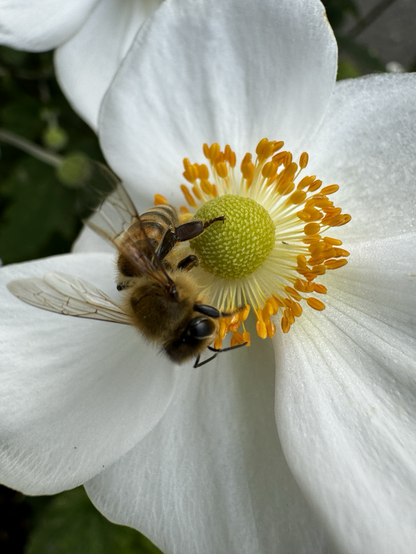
(191, 173)
(336, 220)
(237, 338)
(320, 289)
(267, 311)
(285, 324)
(229, 156)
(188, 196)
(269, 170)
(259, 314)
(214, 150)
(315, 304)
(247, 170)
(283, 157)
(289, 315)
(205, 149)
(303, 160)
(271, 329)
(232, 159)
(243, 313)
(319, 269)
(196, 192)
(233, 328)
(184, 210)
(306, 182)
(297, 197)
(313, 214)
(311, 229)
(315, 185)
(330, 189)
(331, 211)
(317, 248)
(287, 159)
(232, 319)
(312, 239)
(203, 172)
(260, 149)
(217, 343)
(318, 202)
(301, 260)
(334, 242)
(221, 169)
(261, 329)
(279, 301)
(186, 163)
(274, 303)
(341, 252)
(293, 293)
(335, 264)
(297, 309)
(246, 338)
(206, 187)
(159, 200)
(222, 330)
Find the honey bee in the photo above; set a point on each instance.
(160, 297)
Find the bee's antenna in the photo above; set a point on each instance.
(226, 349)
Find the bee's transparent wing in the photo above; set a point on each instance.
(117, 212)
(69, 295)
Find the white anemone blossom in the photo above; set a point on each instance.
(91, 36)
(303, 443)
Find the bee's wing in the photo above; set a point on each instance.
(114, 216)
(117, 212)
(140, 252)
(66, 294)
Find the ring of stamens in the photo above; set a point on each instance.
(302, 214)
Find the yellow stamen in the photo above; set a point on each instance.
(159, 200)
(301, 213)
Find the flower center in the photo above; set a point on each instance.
(241, 244)
(272, 246)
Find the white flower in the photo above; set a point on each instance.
(304, 447)
(91, 36)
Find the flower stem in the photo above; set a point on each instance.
(30, 148)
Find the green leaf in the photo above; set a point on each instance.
(39, 212)
(347, 70)
(71, 525)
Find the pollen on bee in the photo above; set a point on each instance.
(301, 253)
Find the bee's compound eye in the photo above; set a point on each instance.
(201, 328)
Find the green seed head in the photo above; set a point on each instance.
(238, 246)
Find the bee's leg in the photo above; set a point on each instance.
(199, 364)
(188, 263)
(194, 228)
(225, 349)
(184, 232)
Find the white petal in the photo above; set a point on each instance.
(89, 241)
(37, 25)
(231, 72)
(86, 64)
(367, 146)
(76, 394)
(211, 477)
(346, 401)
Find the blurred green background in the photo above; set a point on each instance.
(40, 215)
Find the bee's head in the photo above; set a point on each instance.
(199, 333)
